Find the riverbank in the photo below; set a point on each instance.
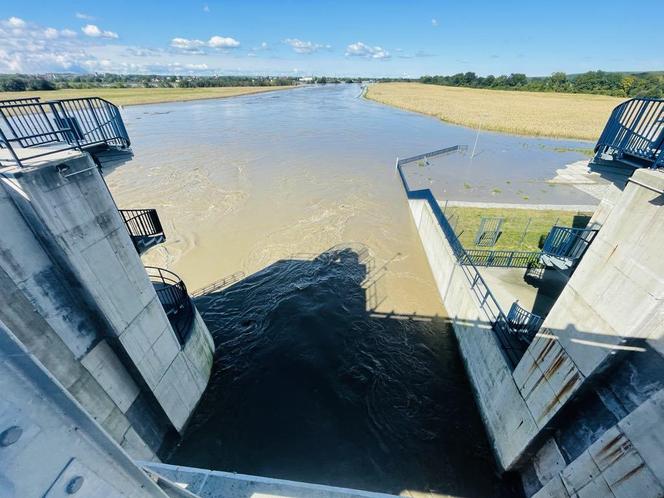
(556, 115)
(136, 96)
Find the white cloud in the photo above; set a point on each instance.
(93, 31)
(37, 48)
(359, 49)
(223, 42)
(195, 45)
(186, 44)
(51, 33)
(30, 50)
(434, 22)
(206, 8)
(15, 22)
(29, 47)
(82, 15)
(304, 47)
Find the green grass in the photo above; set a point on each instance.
(466, 221)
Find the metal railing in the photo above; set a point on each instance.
(142, 222)
(502, 258)
(635, 128)
(172, 294)
(144, 227)
(218, 285)
(525, 323)
(568, 243)
(507, 337)
(29, 124)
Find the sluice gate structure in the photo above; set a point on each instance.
(105, 359)
(573, 400)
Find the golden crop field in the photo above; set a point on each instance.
(559, 115)
(134, 96)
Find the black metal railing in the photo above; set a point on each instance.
(522, 321)
(144, 227)
(66, 124)
(568, 243)
(635, 128)
(508, 338)
(502, 258)
(172, 294)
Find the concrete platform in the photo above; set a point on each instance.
(536, 295)
(48, 154)
(593, 178)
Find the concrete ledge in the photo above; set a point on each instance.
(648, 178)
(218, 484)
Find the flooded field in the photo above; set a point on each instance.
(335, 362)
(240, 183)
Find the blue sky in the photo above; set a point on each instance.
(364, 38)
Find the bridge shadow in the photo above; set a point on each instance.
(311, 384)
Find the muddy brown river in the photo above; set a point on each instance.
(335, 363)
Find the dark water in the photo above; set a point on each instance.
(308, 385)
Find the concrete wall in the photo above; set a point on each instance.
(52, 440)
(69, 265)
(602, 343)
(597, 361)
(626, 461)
(509, 423)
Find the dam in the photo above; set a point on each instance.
(313, 347)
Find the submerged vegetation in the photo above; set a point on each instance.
(560, 115)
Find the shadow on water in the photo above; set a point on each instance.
(310, 385)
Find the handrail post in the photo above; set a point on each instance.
(94, 115)
(3, 139)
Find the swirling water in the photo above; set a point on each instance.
(310, 385)
(335, 362)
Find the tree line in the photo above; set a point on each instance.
(30, 82)
(56, 81)
(649, 84)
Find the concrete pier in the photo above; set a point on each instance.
(82, 303)
(49, 447)
(580, 415)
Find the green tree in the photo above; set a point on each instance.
(14, 85)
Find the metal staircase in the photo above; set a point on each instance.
(634, 134)
(144, 228)
(564, 247)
